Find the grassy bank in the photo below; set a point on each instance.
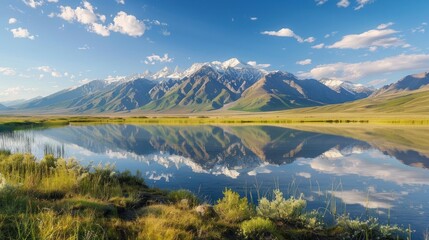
(60, 199)
(283, 117)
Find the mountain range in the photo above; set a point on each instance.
(408, 95)
(210, 86)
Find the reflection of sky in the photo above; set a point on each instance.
(355, 179)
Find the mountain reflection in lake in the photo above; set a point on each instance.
(384, 174)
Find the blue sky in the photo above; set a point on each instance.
(48, 45)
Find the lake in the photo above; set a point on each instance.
(359, 169)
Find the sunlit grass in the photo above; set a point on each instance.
(55, 198)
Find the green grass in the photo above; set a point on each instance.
(60, 199)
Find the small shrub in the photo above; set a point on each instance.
(179, 195)
(280, 208)
(232, 208)
(258, 228)
(368, 229)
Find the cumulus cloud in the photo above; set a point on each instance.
(343, 3)
(258, 65)
(355, 71)
(304, 62)
(127, 24)
(86, 15)
(50, 70)
(7, 71)
(22, 33)
(12, 21)
(362, 3)
(286, 32)
(99, 29)
(253, 18)
(121, 1)
(318, 46)
(153, 59)
(372, 39)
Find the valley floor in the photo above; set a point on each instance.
(296, 116)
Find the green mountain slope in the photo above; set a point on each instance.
(124, 97)
(402, 102)
(201, 92)
(280, 91)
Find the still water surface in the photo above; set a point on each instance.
(382, 172)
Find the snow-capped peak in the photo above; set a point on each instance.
(234, 63)
(163, 73)
(336, 85)
(166, 73)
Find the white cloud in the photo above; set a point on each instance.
(258, 65)
(331, 34)
(253, 18)
(355, 71)
(99, 29)
(120, 1)
(14, 91)
(153, 59)
(102, 18)
(50, 70)
(318, 46)
(343, 3)
(86, 15)
(165, 32)
(420, 29)
(371, 39)
(84, 47)
(67, 13)
(304, 62)
(12, 21)
(362, 3)
(284, 32)
(127, 24)
(320, 2)
(7, 71)
(310, 39)
(21, 33)
(52, 1)
(33, 3)
(384, 25)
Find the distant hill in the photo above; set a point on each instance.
(408, 95)
(3, 107)
(279, 91)
(408, 83)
